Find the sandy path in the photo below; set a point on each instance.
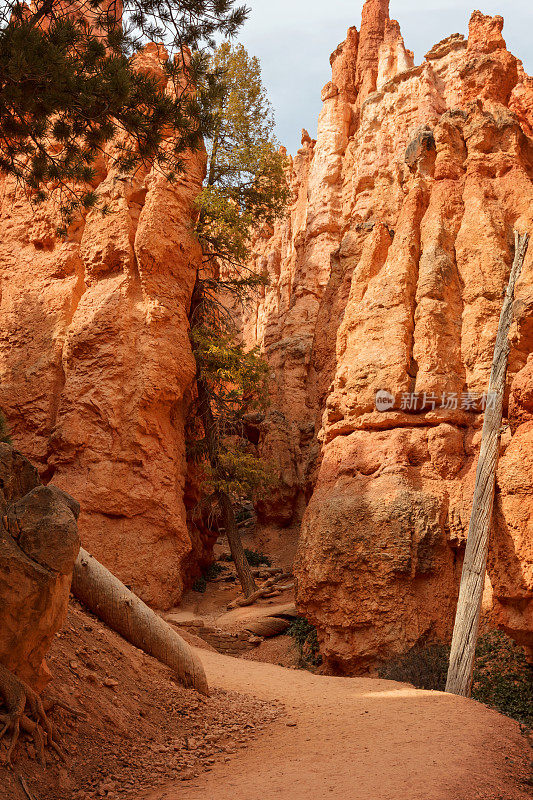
(360, 739)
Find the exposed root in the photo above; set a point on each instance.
(264, 591)
(17, 696)
(25, 788)
(51, 702)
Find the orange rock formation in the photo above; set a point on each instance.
(95, 362)
(389, 275)
(39, 544)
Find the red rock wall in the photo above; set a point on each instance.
(95, 363)
(390, 275)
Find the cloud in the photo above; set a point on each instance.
(294, 38)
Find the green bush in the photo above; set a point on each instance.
(209, 574)
(425, 666)
(306, 639)
(502, 678)
(256, 559)
(213, 571)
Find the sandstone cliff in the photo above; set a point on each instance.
(95, 361)
(389, 275)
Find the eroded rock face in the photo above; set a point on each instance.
(389, 275)
(276, 503)
(96, 365)
(39, 544)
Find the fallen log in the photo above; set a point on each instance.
(103, 594)
(286, 587)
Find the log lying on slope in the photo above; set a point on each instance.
(125, 613)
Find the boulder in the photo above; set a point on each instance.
(39, 544)
(268, 626)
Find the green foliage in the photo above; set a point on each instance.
(209, 574)
(199, 585)
(236, 382)
(246, 183)
(306, 639)
(245, 187)
(4, 430)
(236, 378)
(256, 559)
(502, 677)
(213, 571)
(239, 472)
(424, 666)
(68, 86)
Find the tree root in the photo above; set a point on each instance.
(25, 788)
(264, 591)
(16, 696)
(51, 702)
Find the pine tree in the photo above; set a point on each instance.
(245, 187)
(246, 184)
(68, 86)
(230, 383)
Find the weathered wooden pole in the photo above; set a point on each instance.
(466, 626)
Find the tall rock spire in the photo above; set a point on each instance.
(344, 64)
(375, 18)
(385, 285)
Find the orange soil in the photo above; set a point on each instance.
(361, 739)
(267, 731)
(141, 728)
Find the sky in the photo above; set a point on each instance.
(294, 39)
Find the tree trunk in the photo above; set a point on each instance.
(466, 626)
(125, 613)
(224, 502)
(213, 158)
(235, 545)
(205, 413)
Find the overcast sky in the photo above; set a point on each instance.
(294, 39)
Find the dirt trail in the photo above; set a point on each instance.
(361, 739)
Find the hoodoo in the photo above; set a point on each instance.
(389, 277)
(266, 421)
(386, 276)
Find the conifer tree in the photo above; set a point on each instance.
(68, 86)
(245, 188)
